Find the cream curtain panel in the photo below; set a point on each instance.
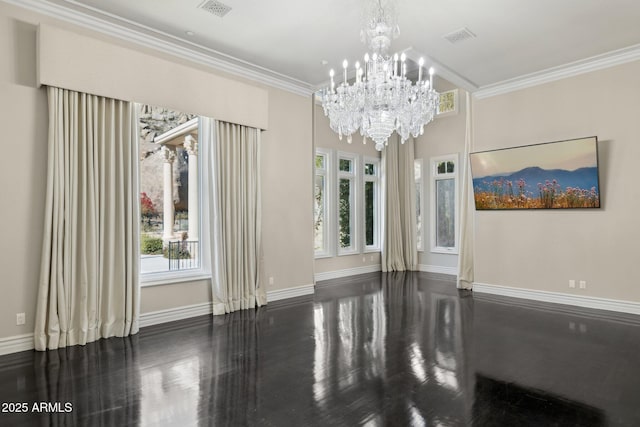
(399, 250)
(233, 216)
(465, 257)
(88, 285)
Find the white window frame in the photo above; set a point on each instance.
(435, 176)
(354, 194)
(327, 172)
(203, 271)
(377, 193)
(421, 233)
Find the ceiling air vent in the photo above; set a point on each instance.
(460, 35)
(215, 7)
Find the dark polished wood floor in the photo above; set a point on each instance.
(378, 349)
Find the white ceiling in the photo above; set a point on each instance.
(293, 37)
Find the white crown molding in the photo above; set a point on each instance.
(559, 298)
(16, 344)
(165, 43)
(598, 62)
(451, 271)
(336, 274)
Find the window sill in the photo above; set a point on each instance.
(371, 250)
(322, 256)
(170, 279)
(444, 251)
(353, 252)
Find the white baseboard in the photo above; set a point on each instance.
(175, 313)
(298, 291)
(560, 298)
(16, 343)
(25, 342)
(327, 275)
(205, 308)
(452, 271)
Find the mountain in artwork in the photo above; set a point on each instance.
(583, 178)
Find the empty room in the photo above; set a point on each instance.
(338, 213)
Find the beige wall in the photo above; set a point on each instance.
(23, 121)
(542, 250)
(287, 199)
(164, 297)
(443, 136)
(324, 137)
(286, 173)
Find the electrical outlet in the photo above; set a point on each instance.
(364, 259)
(572, 283)
(583, 284)
(20, 319)
(271, 280)
(371, 258)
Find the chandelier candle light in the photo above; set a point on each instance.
(382, 99)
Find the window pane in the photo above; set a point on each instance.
(344, 211)
(442, 167)
(369, 203)
(345, 165)
(169, 202)
(318, 212)
(450, 167)
(320, 161)
(369, 169)
(445, 213)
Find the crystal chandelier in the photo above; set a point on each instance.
(382, 99)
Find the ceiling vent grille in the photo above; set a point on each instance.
(460, 35)
(215, 7)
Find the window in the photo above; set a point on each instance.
(448, 103)
(419, 203)
(321, 224)
(347, 230)
(347, 203)
(169, 193)
(371, 204)
(444, 204)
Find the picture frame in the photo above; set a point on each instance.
(552, 175)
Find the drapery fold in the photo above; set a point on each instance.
(88, 286)
(465, 256)
(399, 250)
(233, 215)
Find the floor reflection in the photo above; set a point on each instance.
(376, 350)
(391, 359)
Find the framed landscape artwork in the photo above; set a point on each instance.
(554, 175)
